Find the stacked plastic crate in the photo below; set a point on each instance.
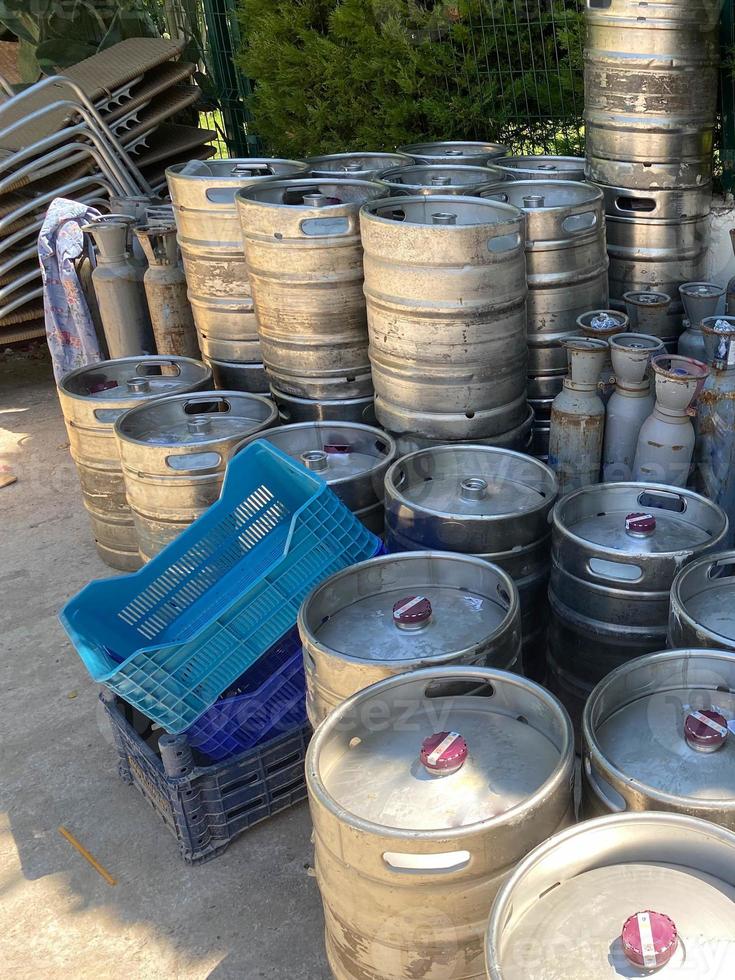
(198, 655)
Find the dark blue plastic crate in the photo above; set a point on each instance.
(269, 699)
(170, 638)
(206, 806)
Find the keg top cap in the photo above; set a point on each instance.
(640, 524)
(649, 939)
(706, 730)
(340, 451)
(416, 177)
(415, 608)
(196, 418)
(504, 737)
(443, 753)
(135, 378)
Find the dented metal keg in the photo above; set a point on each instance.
(578, 906)
(203, 195)
(481, 501)
(445, 282)
(616, 549)
(351, 458)
(566, 263)
(651, 92)
(399, 613)
(174, 452)
(425, 790)
(355, 166)
(703, 604)
(304, 258)
(439, 178)
(471, 154)
(541, 167)
(655, 736)
(92, 399)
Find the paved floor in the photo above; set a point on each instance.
(253, 912)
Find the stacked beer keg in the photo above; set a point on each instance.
(650, 97)
(303, 254)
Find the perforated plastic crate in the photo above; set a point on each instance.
(170, 638)
(269, 699)
(206, 806)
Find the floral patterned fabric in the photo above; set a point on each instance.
(69, 328)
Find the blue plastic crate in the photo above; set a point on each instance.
(170, 638)
(206, 806)
(269, 699)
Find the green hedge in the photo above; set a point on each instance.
(334, 75)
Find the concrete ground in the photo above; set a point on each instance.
(253, 912)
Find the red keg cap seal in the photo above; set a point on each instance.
(649, 939)
(337, 447)
(443, 753)
(705, 730)
(638, 523)
(412, 612)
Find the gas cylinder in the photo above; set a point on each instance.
(730, 303)
(118, 286)
(666, 440)
(700, 299)
(716, 414)
(165, 288)
(601, 325)
(630, 404)
(648, 312)
(578, 416)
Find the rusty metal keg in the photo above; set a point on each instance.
(656, 240)
(616, 549)
(203, 195)
(403, 612)
(481, 501)
(439, 178)
(351, 458)
(304, 257)
(445, 282)
(566, 262)
(703, 604)
(425, 790)
(293, 409)
(92, 398)
(573, 907)
(355, 166)
(541, 168)
(651, 92)
(469, 154)
(174, 453)
(655, 736)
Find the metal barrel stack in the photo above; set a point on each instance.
(650, 103)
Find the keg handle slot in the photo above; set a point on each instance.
(325, 227)
(602, 789)
(504, 243)
(108, 414)
(496, 196)
(634, 205)
(221, 195)
(194, 461)
(454, 688)
(617, 570)
(154, 368)
(599, 4)
(663, 500)
(433, 863)
(577, 223)
(206, 406)
(723, 568)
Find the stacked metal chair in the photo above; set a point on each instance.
(97, 132)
